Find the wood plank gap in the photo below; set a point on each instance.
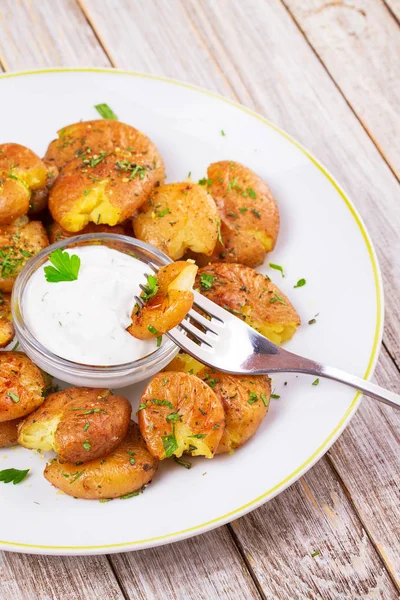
(246, 561)
(211, 55)
(97, 35)
(348, 495)
(393, 14)
(117, 578)
(392, 358)
(363, 125)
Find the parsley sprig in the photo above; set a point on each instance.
(13, 475)
(66, 267)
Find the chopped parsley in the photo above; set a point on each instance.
(183, 463)
(315, 553)
(252, 398)
(277, 298)
(162, 403)
(207, 280)
(312, 321)
(159, 340)
(277, 268)
(150, 289)
(105, 111)
(86, 426)
(256, 213)
(164, 212)
(142, 406)
(264, 399)
(198, 436)
(173, 417)
(66, 267)
(276, 396)
(87, 445)
(131, 495)
(170, 444)
(316, 382)
(13, 475)
(251, 193)
(243, 209)
(13, 397)
(152, 330)
(223, 132)
(211, 382)
(300, 283)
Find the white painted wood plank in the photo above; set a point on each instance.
(206, 567)
(394, 6)
(359, 43)
(46, 33)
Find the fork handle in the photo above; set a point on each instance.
(367, 388)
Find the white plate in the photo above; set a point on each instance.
(322, 239)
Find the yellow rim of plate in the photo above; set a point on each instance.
(374, 353)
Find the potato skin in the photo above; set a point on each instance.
(243, 404)
(249, 214)
(19, 242)
(21, 172)
(124, 471)
(20, 377)
(57, 233)
(39, 198)
(179, 217)
(252, 297)
(80, 424)
(6, 325)
(104, 135)
(202, 419)
(104, 188)
(171, 303)
(9, 433)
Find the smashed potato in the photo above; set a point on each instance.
(6, 325)
(21, 173)
(125, 471)
(179, 413)
(245, 400)
(168, 297)
(252, 297)
(185, 363)
(9, 433)
(179, 217)
(40, 198)
(22, 386)
(104, 135)
(104, 188)
(57, 233)
(18, 243)
(248, 211)
(80, 424)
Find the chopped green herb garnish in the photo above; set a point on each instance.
(243, 209)
(315, 553)
(15, 347)
(276, 396)
(151, 288)
(198, 436)
(86, 426)
(170, 444)
(105, 111)
(252, 398)
(216, 426)
(152, 330)
(256, 213)
(86, 192)
(211, 382)
(76, 475)
(159, 340)
(277, 298)
(13, 397)
(66, 267)
(264, 399)
(102, 500)
(316, 382)
(183, 463)
(142, 406)
(13, 475)
(162, 403)
(207, 280)
(173, 417)
(277, 268)
(300, 283)
(163, 212)
(87, 445)
(131, 495)
(312, 321)
(223, 132)
(132, 460)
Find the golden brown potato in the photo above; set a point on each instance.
(21, 172)
(179, 413)
(248, 211)
(18, 243)
(105, 135)
(22, 386)
(104, 189)
(80, 424)
(57, 233)
(245, 400)
(252, 297)
(120, 474)
(185, 363)
(39, 198)
(6, 325)
(9, 433)
(168, 297)
(179, 217)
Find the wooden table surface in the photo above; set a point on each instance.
(328, 72)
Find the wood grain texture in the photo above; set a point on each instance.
(367, 457)
(394, 7)
(206, 567)
(313, 516)
(358, 42)
(46, 33)
(288, 84)
(27, 577)
(159, 39)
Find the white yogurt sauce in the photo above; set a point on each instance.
(85, 320)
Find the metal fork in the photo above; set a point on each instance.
(224, 342)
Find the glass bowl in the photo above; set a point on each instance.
(115, 376)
